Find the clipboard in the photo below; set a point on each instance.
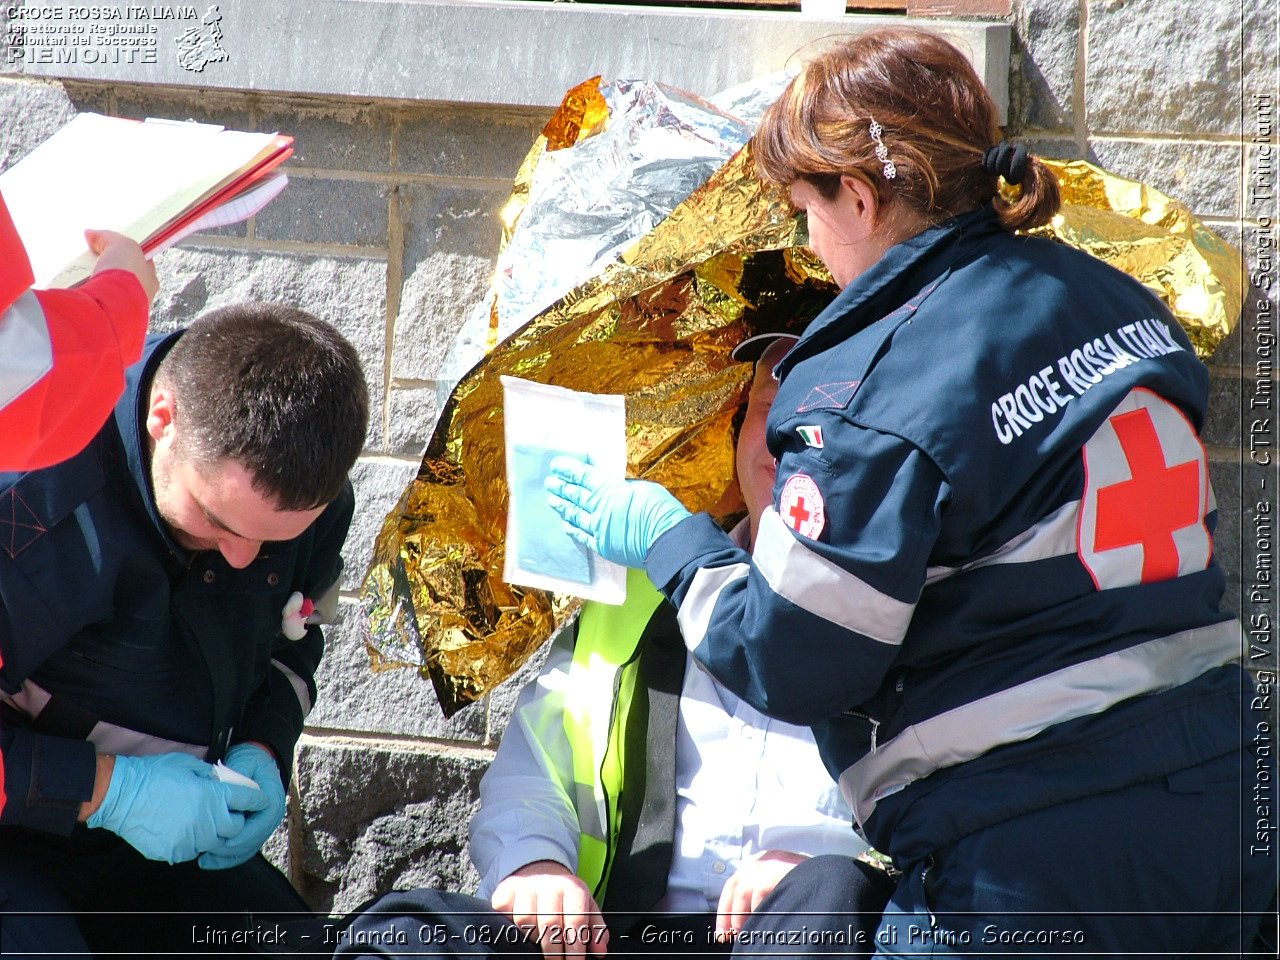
(154, 181)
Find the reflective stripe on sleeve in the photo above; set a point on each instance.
(1054, 536)
(26, 353)
(1020, 713)
(820, 587)
(299, 685)
(700, 600)
(110, 738)
(325, 607)
(121, 741)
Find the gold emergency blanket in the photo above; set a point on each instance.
(1155, 239)
(656, 322)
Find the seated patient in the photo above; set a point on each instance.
(651, 833)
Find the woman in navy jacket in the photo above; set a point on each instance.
(987, 577)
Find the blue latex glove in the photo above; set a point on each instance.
(618, 519)
(172, 807)
(260, 767)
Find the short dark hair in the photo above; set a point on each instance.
(275, 390)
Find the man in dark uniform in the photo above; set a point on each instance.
(160, 602)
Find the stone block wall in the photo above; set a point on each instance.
(389, 229)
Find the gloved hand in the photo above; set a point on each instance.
(260, 767)
(618, 519)
(172, 807)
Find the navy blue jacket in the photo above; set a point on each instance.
(114, 639)
(987, 576)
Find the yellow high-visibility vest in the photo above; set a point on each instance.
(602, 681)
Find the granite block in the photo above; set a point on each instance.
(375, 818)
(331, 135)
(451, 240)
(466, 141)
(1042, 83)
(1151, 67)
(327, 211)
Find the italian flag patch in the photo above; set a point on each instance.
(811, 435)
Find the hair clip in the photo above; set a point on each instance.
(882, 152)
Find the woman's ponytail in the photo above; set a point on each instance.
(1035, 203)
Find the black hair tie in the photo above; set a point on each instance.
(1006, 160)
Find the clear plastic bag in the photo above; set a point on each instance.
(543, 422)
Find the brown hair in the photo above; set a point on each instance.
(938, 122)
(275, 390)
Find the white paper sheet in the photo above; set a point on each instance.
(113, 174)
(541, 422)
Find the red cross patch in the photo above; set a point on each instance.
(801, 508)
(1146, 494)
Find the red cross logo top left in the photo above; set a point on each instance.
(801, 508)
(1146, 495)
